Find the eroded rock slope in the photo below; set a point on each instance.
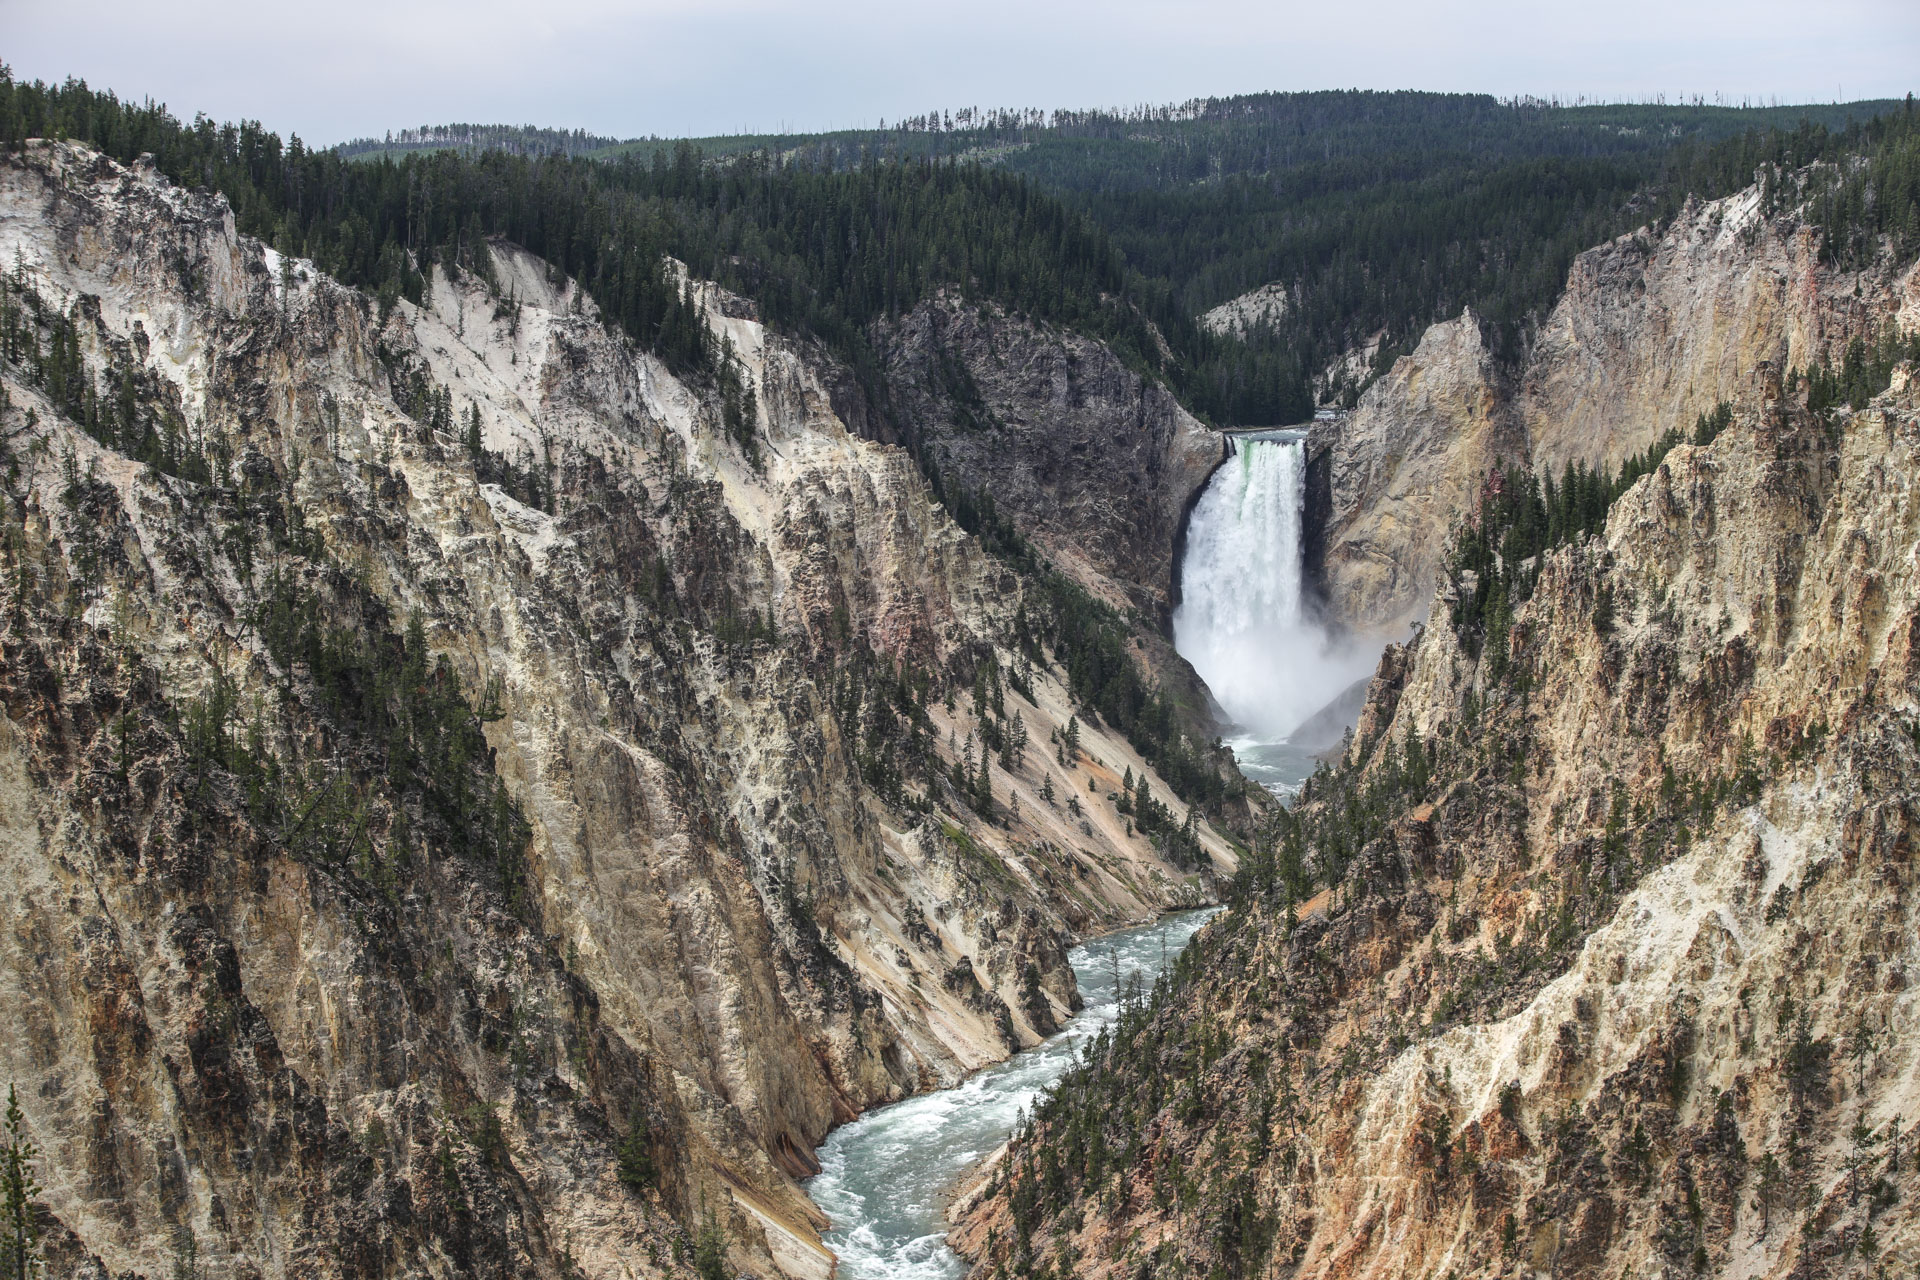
(466, 810)
(1654, 329)
(1095, 463)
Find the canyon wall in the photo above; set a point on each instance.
(1095, 463)
(1653, 330)
(458, 793)
(1402, 467)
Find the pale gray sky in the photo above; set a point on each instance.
(341, 68)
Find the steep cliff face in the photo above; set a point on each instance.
(1406, 462)
(1096, 464)
(1615, 977)
(450, 763)
(1652, 331)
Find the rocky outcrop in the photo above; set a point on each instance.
(1093, 462)
(1236, 317)
(1339, 384)
(460, 806)
(1403, 466)
(1614, 979)
(1654, 329)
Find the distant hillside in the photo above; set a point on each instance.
(1375, 211)
(1271, 133)
(520, 140)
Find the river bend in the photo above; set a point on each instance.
(885, 1177)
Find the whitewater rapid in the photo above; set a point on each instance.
(884, 1178)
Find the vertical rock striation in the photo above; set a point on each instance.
(1096, 463)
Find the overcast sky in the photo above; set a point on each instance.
(344, 68)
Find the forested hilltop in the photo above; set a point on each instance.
(1247, 172)
(1376, 211)
(524, 139)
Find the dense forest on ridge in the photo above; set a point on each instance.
(1405, 208)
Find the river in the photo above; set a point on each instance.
(884, 1177)
(1246, 624)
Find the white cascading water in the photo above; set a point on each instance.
(1243, 621)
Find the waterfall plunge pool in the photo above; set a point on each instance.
(884, 1178)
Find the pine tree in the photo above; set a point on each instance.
(186, 1256)
(19, 1236)
(636, 1168)
(710, 1251)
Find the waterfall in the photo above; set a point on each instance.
(1243, 620)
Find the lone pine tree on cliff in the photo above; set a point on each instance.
(19, 1237)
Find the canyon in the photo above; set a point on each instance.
(485, 797)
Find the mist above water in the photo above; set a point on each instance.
(1244, 621)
